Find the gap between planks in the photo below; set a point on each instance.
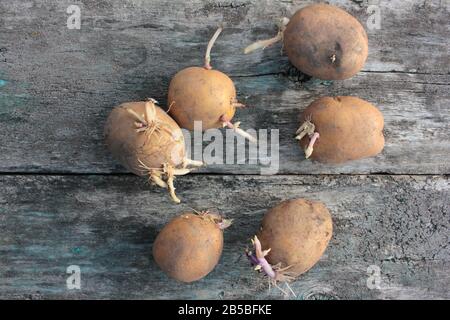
(218, 174)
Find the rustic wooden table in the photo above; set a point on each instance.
(64, 201)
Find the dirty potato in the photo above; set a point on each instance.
(190, 245)
(146, 141)
(206, 96)
(339, 129)
(322, 41)
(292, 238)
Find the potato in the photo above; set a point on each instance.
(204, 95)
(326, 42)
(131, 147)
(146, 141)
(199, 94)
(294, 235)
(322, 41)
(190, 245)
(340, 129)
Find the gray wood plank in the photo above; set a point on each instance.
(58, 85)
(106, 225)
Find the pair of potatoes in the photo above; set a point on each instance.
(328, 43)
(297, 232)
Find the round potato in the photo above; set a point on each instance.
(136, 150)
(326, 42)
(297, 233)
(147, 141)
(204, 95)
(189, 247)
(348, 128)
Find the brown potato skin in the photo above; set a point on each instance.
(198, 94)
(350, 129)
(317, 32)
(298, 232)
(129, 146)
(188, 247)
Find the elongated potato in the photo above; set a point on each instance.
(326, 42)
(341, 129)
(323, 41)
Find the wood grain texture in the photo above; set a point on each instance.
(65, 201)
(59, 85)
(106, 225)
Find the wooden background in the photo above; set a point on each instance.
(64, 200)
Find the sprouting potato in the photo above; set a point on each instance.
(190, 245)
(292, 238)
(146, 141)
(204, 95)
(339, 129)
(322, 41)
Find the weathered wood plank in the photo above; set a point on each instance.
(58, 85)
(416, 110)
(106, 225)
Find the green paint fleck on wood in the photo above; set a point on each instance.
(76, 250)
(14, 99)
(11, 102)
